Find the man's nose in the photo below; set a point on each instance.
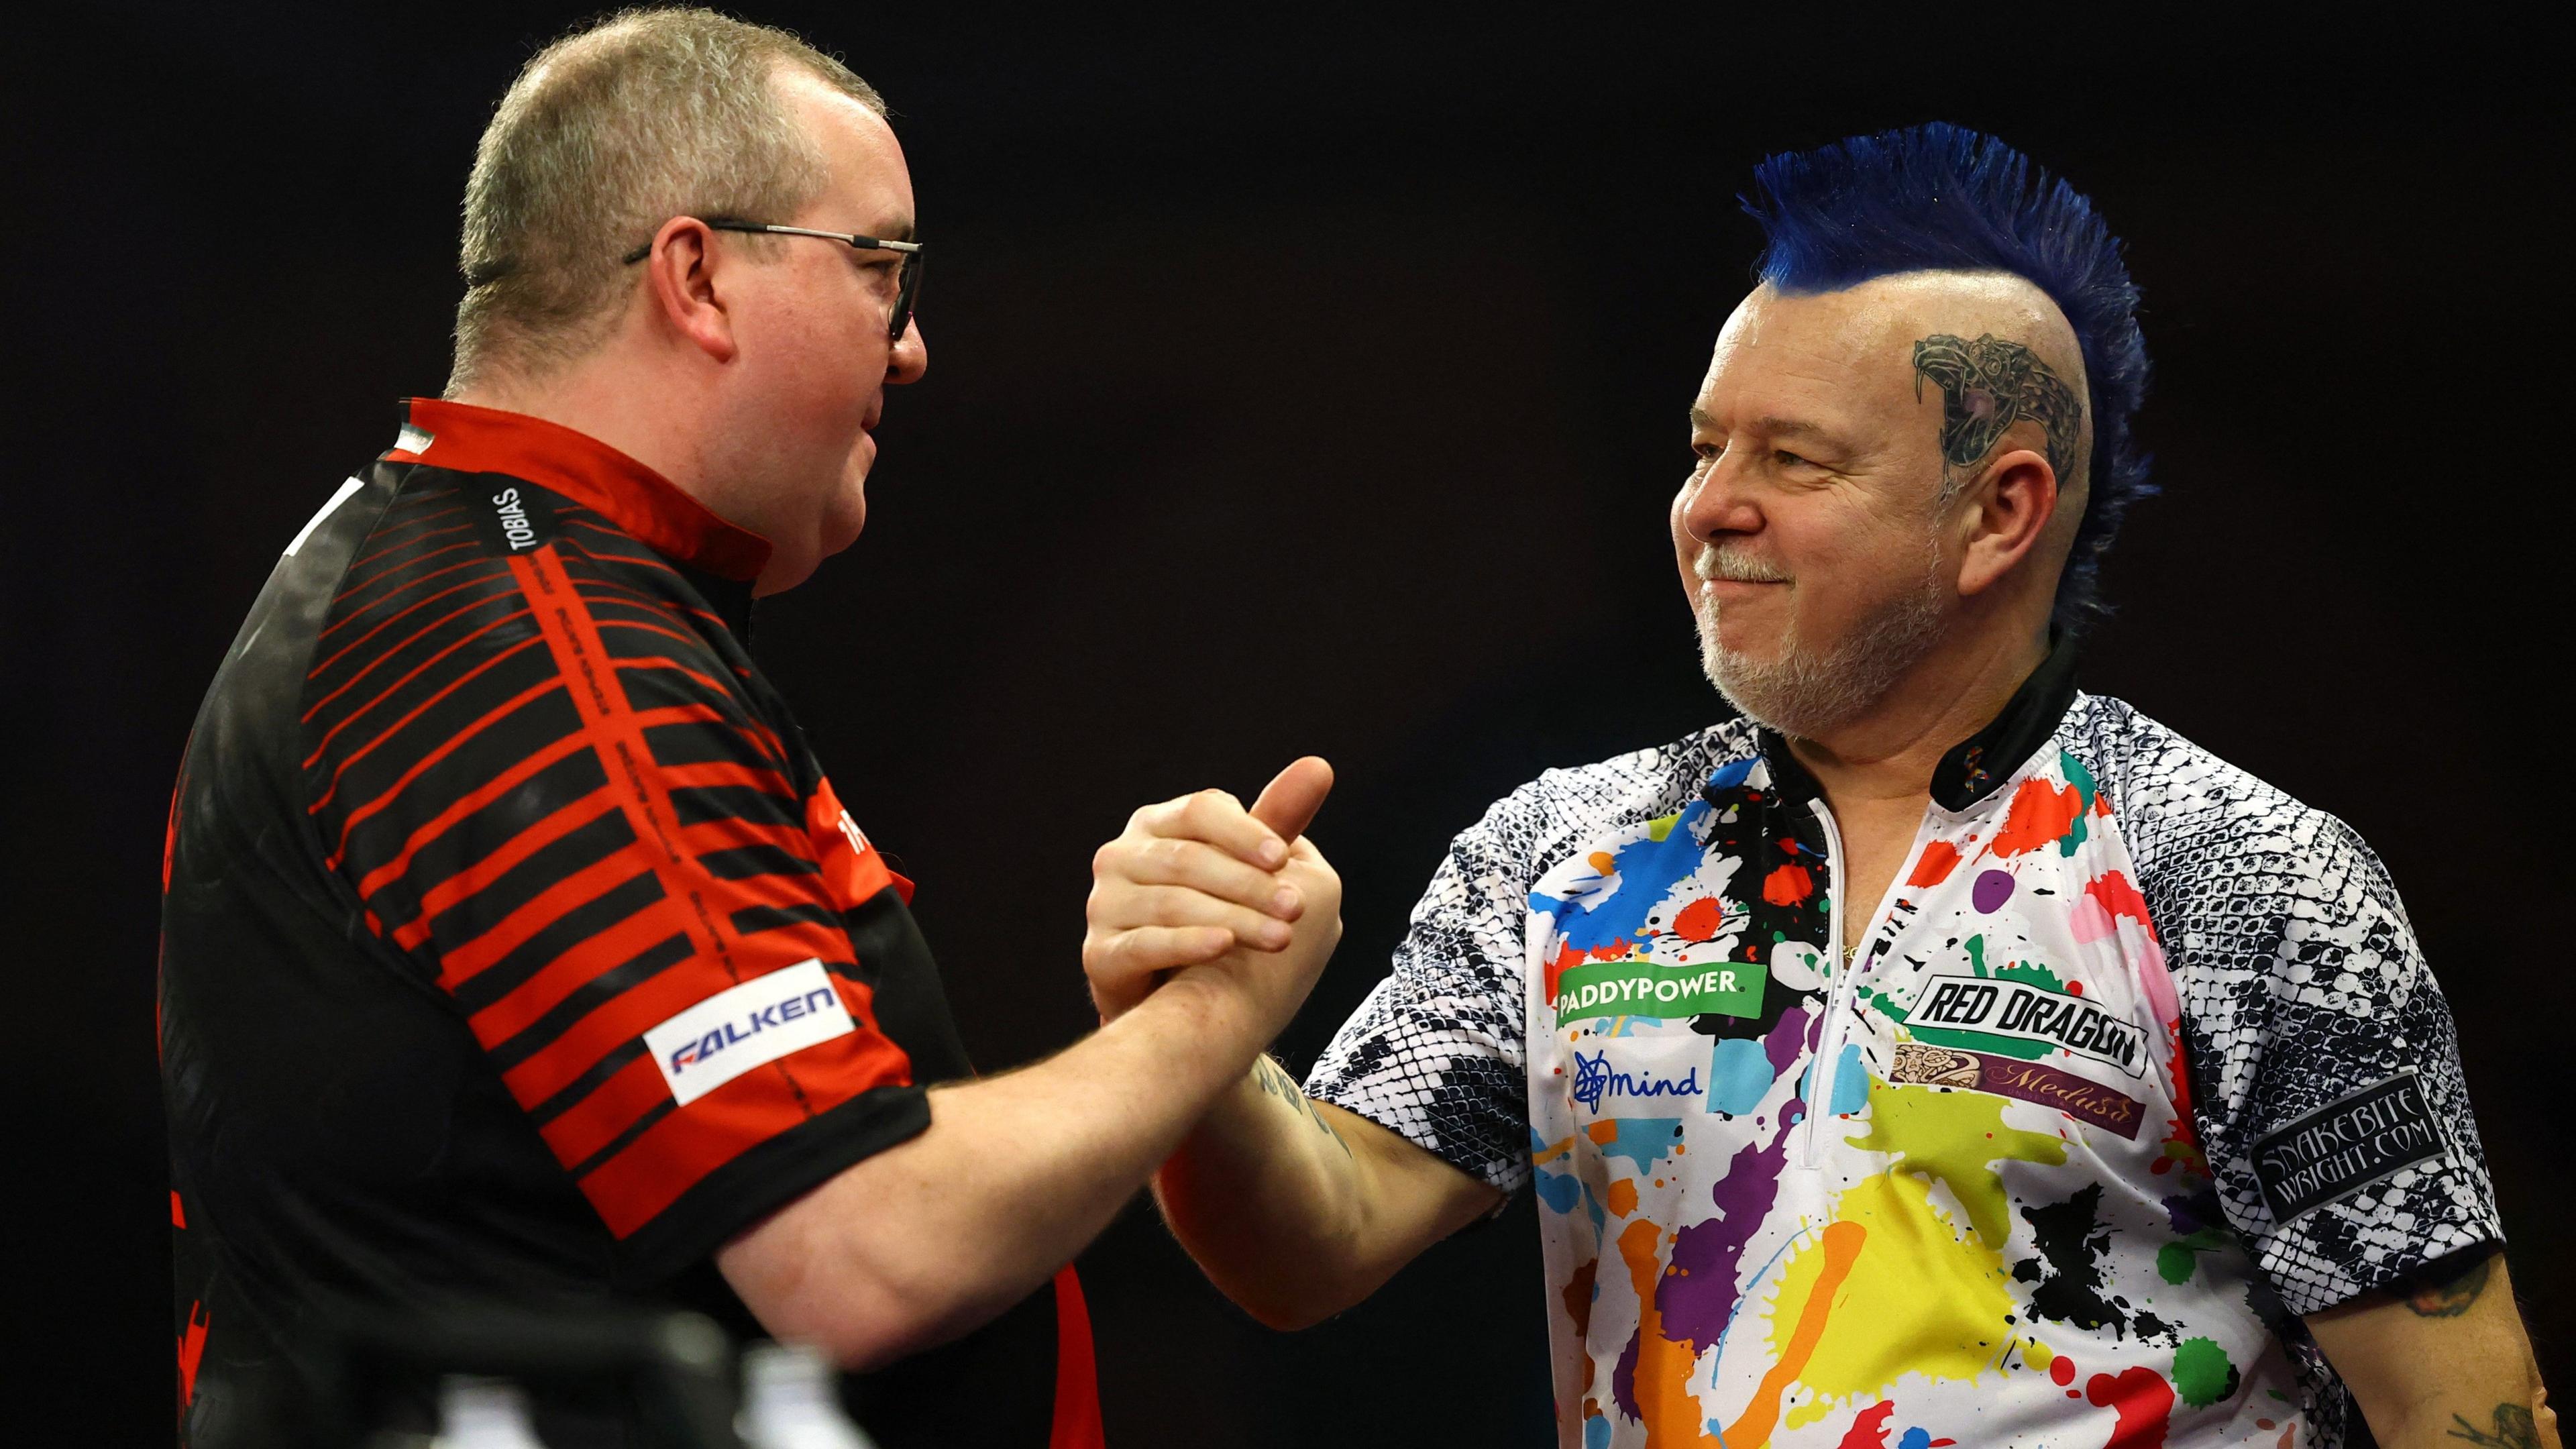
(1719, 503)
(910, 356)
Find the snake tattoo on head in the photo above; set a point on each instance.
(1987, 386)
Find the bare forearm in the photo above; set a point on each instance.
(1270, 1200)
(2442, 1361)
(2519, 1420)
(1015, 1175)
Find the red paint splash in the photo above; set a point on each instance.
(2118, 898)
(1789, 884)
(2144, 1402)
(192, 1349)
(2041, 814)
(1567, 958)
(1938, 860)
(1701, 920)
(2062, 1369)
(1869, 1431)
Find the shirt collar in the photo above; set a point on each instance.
(469, 439)
(1977, 766)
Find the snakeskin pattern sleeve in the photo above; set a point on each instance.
(1435, 1052)
(2326, 1084)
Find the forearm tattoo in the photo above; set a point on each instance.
(1276, 1082)
(2451, 1299)
(2514, 1429)
(1987, 386)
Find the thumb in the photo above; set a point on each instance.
(1289, 802)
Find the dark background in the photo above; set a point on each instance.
(1302, 381)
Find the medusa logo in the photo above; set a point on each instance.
(1987, 386)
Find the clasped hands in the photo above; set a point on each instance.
(1237, 899)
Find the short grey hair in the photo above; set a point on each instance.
(605, 135)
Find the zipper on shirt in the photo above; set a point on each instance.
(1829, 1036)
(1842, 984)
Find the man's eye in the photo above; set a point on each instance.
(1787, 459)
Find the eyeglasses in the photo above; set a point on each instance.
(907, 285)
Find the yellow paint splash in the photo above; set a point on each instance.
(1917, 1297)
(1839, 1247)
(1954, 1136)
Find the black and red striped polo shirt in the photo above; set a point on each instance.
(515, 946)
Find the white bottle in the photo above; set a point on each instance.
(483, 1414)
(789, 1402)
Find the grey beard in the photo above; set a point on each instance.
(1808, 695)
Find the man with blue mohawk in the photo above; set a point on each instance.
(1934, 1054)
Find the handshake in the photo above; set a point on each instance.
(1236, 902)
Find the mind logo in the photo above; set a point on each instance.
(1595, 1079)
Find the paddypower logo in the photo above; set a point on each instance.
(747, 1026)
(1642, 988)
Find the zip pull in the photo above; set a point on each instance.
(1822, 1069)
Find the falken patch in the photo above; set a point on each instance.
(747, 1026)
(2346, 1145)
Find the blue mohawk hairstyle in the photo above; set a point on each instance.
(1942, 197)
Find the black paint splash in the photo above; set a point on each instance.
(2068, 1270)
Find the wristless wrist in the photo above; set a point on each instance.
(1200, 1004)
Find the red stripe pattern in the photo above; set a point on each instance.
(553, 793)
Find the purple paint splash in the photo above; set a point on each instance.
(1696, 1302)
(1993, 889)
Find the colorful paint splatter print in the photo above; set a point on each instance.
(1993, 1184)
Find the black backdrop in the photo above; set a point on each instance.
(1301, 380)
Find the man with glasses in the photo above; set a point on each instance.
(516, 947)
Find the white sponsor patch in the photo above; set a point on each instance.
(747, 1026)
(347, 487)
(2000, 1006)
(413, 439)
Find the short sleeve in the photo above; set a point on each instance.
(1436, 1052)
(560, 808)
(2328, 1092)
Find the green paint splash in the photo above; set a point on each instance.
(2088, 790)
(2202, 1374)
(1953, 1136)
(2178, 1260)
(2031, 973)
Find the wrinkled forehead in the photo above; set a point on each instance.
(1849, 355)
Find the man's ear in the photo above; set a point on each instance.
(2007, 510)
(680, 276)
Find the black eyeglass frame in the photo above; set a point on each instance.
(907, 286)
